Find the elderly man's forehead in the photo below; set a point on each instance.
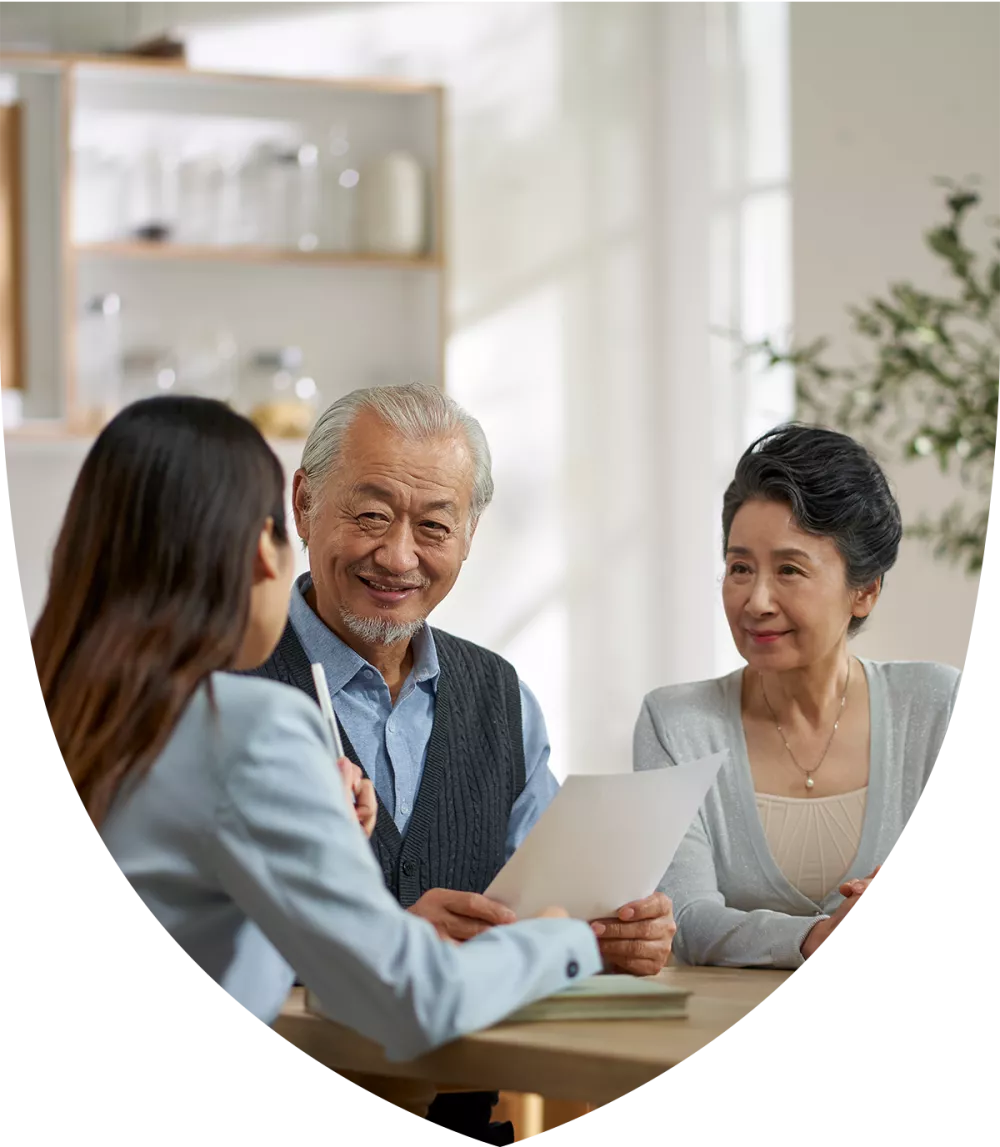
(370, 438)
(433, 498)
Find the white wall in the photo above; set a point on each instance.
(884, 98)
(581, 302)
(40, 478)
(595, 238)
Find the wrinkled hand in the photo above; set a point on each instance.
(638, 940)
(461, 915)
(360, 794)
(852, 891)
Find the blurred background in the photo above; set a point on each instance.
(573, 216)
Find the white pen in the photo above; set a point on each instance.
(323, 693)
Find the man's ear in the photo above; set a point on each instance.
(301, 503)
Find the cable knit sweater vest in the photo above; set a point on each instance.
(456, 837)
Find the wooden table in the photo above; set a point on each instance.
(586, 1061)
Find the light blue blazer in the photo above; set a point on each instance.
(241, 842)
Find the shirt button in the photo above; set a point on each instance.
(572, 969)
(404, 809)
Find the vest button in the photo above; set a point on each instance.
(406, 868)
(572, 969)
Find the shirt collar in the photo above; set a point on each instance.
(340, 662)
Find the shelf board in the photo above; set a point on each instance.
(43, 430)
(58, 430)
(181, 71)
(244, 253)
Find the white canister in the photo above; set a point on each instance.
(393, 205)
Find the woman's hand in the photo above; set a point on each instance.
(360, 794)
(851, 890)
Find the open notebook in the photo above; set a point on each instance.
(594, 998)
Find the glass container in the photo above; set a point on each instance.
(99, 373)
(276, 394)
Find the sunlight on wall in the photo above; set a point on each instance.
(558, 294)
(750, 234)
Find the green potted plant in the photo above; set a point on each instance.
(928, 384)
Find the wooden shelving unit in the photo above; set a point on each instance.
(246, 253)
(360, 317)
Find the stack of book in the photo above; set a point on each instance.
(608, 998)
(595, 998)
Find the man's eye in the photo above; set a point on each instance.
(435, 527)
(739, 568)
(370, 516)
(789, 570)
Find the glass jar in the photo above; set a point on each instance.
(275, 393)
(284, 186)
(98, 207)
(99, 378)
(152, 197)
(306, 207)
(282, 189)
(228, 222)
(339, 195)
(206, 365)
(394, 205)
(147, 371)
(256, 208)
(199, 190)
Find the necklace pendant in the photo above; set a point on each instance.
(809, 782)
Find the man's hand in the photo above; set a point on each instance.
(638, 940)
(459, 916)
(360, 794)
(852, 891)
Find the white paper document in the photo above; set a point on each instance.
(604, 841)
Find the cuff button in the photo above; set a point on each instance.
(572, 969)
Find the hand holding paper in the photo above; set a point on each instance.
(604, 841)
(638, 939)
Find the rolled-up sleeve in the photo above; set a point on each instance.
(289, 852)
(540, 786)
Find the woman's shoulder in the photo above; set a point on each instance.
(686, 722)
(239, 710)
(923, 682)
(709, 698)
(679, 723)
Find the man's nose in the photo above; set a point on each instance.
(397, 553)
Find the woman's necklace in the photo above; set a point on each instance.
(774, 716)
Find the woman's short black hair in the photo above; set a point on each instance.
(835, 489)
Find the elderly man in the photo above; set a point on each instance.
(392, 485)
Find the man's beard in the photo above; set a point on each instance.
(380, 630)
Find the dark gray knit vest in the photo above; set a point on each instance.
(457, 833)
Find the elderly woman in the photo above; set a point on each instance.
(827, 752)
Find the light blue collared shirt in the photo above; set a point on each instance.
(241, 843)
(392, 739)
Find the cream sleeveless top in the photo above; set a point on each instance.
(813, 840)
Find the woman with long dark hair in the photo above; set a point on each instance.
(218, 794)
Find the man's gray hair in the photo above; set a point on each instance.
(416, 410)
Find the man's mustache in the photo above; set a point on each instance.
(389, 581)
